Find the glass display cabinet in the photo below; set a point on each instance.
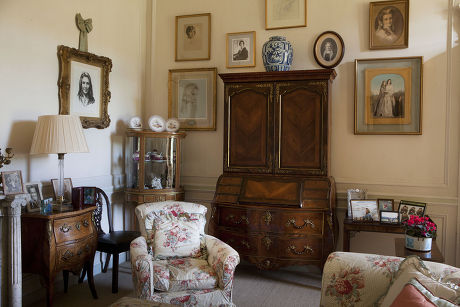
(153, 162)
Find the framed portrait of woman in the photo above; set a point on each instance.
(389, 24)
(193, 37)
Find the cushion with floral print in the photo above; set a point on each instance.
(183, 274)
(413, 267)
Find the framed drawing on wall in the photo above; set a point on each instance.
(84, 86)
(241, 49)
(329, 49)
(281, 14)
(193, 37)
(389, 24)
(388, 96)
(192, 97)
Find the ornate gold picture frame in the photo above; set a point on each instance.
(84, 86)
(193, 37)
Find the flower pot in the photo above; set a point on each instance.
(277, 54)
(418, 243)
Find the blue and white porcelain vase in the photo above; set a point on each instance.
(277, 54)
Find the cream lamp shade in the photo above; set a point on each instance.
(56, 134)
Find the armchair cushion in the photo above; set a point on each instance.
(416, 294)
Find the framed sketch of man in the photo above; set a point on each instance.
(84, 86)
(12, 182)
(388, 24)
(192, 98)
(241, 49)
(388, 96)
(329, 49)
(33, 190)
(193, 37)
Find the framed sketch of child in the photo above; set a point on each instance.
(329, 49)
(12, 182)
(241, 49)
(84, 86)
(67, 189)
(388, 24)
(33, 189)
(192, 97)
(364, 210)
(193, 37)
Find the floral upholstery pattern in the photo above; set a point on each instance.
(355, 279)
(203, 280)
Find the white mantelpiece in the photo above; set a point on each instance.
(11, 294)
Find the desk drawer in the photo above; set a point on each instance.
(73, 228)
(71, 255)
(236, 217)
(310, 248)
(305, 222)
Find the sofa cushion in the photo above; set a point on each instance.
(413, 267)
(183, 274)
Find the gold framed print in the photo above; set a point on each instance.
(389, 24)
(193, 37)
(388, 96)
(241, 49)
(280, 14)
(84, 86)
(192, 98)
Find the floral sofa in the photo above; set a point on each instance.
(175, 262)
(355, 279)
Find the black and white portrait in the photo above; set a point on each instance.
(240, 49)
(12, 182)
(328, 49)
(388, 25)
(193, 40)
(85, 87)
(192, 98)
(35, 198)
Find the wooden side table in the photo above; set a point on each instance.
(349, 225)
(57, 242)
(433, 255)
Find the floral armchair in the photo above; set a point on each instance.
(175, 262)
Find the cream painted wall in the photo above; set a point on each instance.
(421, 167)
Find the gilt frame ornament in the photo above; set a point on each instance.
(84, 86)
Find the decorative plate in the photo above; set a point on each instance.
(172, 125)
(157, 123)
(135, 123)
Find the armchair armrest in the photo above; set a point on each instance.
(142, 268)
(223, 259)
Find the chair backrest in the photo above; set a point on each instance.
(101, 197)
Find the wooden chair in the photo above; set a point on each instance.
(112, 243)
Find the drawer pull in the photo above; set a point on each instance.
(246, 244)
(231, 218)
(305, 223)
(86, 223)
(86, 249)
(65, 228)
(268, 217)
(267, 242)
(78, 225)
(67, 255)
(306, 249)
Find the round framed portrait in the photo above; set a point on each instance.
(329, 49)
(157, 123)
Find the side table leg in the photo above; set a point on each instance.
(49, 282)
(89, 270)
(346, 240)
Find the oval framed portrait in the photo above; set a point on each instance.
(329, 49)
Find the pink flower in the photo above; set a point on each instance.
(343, 286)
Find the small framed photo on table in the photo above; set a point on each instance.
(407, 208)
(12, 182)
(385, 204)
(364, 210)
(389, 217)
(67, 189)
(241, 49)
(33, 189)
(193, 37)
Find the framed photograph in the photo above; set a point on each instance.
(192, 98)
(12, 182)
(385, 204)
(241, 49)
(67, 189)
(354, 194)
(389, 217)
(389, 24)
(280, 14)
(84, 86)
(407, 208)
(388, 96)
(329, 49)
(33, 189)
(89, 196)
(193, 37)
(364, 210)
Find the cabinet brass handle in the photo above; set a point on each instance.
(86, 223)
(231, 218)
(77, 225)
(246, 244)
(67, 255)
(305, 223)
(267, 242)
(268, 217)
(65, 228)
(306, 249)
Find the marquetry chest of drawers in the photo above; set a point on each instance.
(57, 242)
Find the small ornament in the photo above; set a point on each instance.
(135, 123)
(85, 26)
(157, 123)
(172, 125)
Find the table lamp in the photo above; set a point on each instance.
(59, 134)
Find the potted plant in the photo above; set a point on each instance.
(420, 232)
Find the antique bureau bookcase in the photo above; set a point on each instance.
(275, 203)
